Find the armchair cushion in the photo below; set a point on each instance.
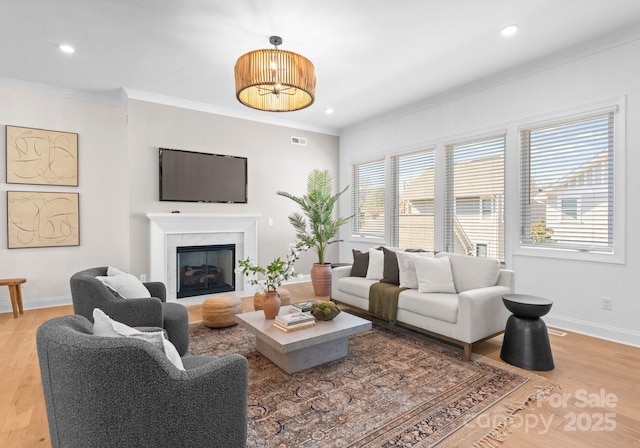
(103, 325)
(126, 285)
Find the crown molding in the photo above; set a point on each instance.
(120, 98)
(114, 98)
(267, 118)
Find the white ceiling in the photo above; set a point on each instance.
(371, 56)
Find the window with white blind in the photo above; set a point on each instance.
(567, 191)
(474, 198)
(367, 182)
(412, 200)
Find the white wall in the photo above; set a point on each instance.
(273, 164)
(118, 183)
(103, 194)
(576, 287)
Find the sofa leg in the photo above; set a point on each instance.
(467, 352)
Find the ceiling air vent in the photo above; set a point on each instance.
(298, 141)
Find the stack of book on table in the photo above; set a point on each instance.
(301, 307)
(294, 321)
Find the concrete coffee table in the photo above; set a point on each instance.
(301, 349)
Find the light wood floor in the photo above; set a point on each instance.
(574, 415)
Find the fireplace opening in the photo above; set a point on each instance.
(205, 269)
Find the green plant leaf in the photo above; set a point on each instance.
(317, 205)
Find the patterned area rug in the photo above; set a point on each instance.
(394, 389)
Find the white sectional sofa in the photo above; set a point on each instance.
(469, 311)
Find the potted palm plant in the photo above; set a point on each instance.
(316, 227)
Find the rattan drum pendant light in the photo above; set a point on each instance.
(275, 80)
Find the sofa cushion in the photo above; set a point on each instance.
(376, 264)
(390, 271)
(106, 327)
(435, 305)
(407, 270)
(360, 263)
(126, 285)
(472, 272)
(434, 275)
(356, 286)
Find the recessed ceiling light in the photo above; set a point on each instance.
(65, 48)
(509, 30)
(328, 111)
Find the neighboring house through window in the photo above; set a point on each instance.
(569, 207)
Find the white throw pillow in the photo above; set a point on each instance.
(408, 277)
(104, 326)
(434, 275)
(473, 272)
(126, 285)
(375, 271)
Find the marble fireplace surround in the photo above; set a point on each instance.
(167, 231)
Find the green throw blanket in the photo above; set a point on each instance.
(383, 300)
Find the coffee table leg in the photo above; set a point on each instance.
(298, 360)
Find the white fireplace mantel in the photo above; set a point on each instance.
(169, 230)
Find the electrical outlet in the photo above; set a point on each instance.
(607, 303)
(270, 221)
(143, 278)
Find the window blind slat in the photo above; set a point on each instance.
(367, 180)
(567, 185)
(474, 198)
(412, 200)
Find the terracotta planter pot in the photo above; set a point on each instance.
(258, 298)
(321, 279)
(271, 304)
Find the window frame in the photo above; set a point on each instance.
(617, 106)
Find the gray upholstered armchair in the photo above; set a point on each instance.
(122, 392)
(87, 293)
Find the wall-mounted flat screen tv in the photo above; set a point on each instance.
(188, 176)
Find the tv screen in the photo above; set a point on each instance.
(187, 176)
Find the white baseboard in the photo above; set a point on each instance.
(613, 334)
(33, 304)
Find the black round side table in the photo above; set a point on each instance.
(526, 341)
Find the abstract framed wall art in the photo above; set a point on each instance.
(42, 219)
(41, 157)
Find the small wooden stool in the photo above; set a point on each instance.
(285, 296)
(15, 291)
(220, 311)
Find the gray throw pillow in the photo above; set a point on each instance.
(360, 263)
(391, 271)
